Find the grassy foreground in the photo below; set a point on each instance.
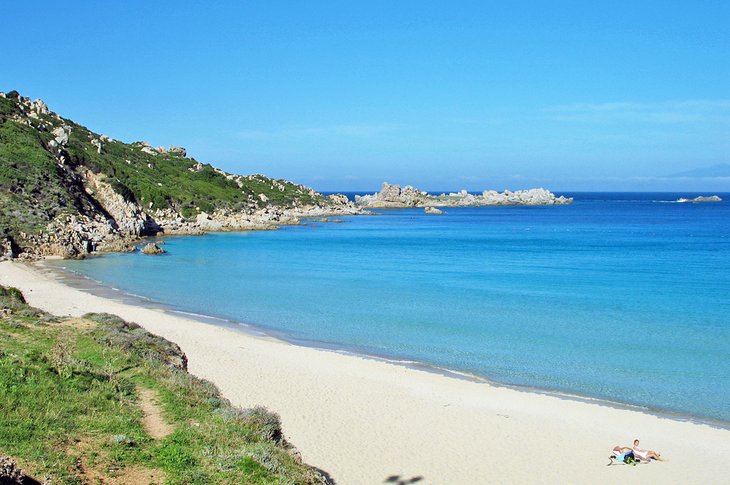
(100, 400)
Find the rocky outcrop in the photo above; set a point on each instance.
(68, 236)
(76, 236)
(150, 150)
(127, 216)
(432, 210)
(269, 217)
(8, 249)
(61, 135)
(179, 151)
(116, 246)
(153, 249)
(395, 196)
(702, 198)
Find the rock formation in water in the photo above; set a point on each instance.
(395, 196)
(702, 198)
(153, 249)
(432, 210)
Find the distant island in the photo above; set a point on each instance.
(395, 196)
(702, 198)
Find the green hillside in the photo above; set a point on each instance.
(43, 159)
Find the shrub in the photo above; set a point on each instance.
(60, 358)
(13, 295)
(131, 337)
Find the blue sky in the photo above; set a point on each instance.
(444, 95)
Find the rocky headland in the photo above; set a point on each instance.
(67, 191)
(395, 196)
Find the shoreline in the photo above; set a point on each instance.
(98, 288)
(363, 420)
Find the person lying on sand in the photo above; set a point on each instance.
(619, 454)
(645, 455)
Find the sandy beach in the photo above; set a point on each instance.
(365, 421)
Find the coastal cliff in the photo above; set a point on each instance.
(67, 191)
(394, 196)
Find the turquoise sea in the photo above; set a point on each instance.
(623, 297)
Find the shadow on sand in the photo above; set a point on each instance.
(398, 480)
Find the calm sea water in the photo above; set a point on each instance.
(624, 297)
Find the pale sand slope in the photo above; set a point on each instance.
(364, 420)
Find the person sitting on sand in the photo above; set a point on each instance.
(645, 455)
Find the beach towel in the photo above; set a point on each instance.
(627, 458)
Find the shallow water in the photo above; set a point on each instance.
(619, 296)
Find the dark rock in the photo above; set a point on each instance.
(11, 474)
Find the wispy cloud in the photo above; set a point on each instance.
(343, 130)
(669, 112)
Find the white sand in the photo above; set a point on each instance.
(363, 420)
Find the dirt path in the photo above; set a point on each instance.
(153, 420)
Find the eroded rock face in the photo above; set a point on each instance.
(61, 135)
(394, 196)
(389, 193)
(128, 216)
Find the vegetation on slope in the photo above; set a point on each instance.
(75, 393)
(41, 179)
(33, 188)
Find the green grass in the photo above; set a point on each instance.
(32, 188)
(70, 408)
